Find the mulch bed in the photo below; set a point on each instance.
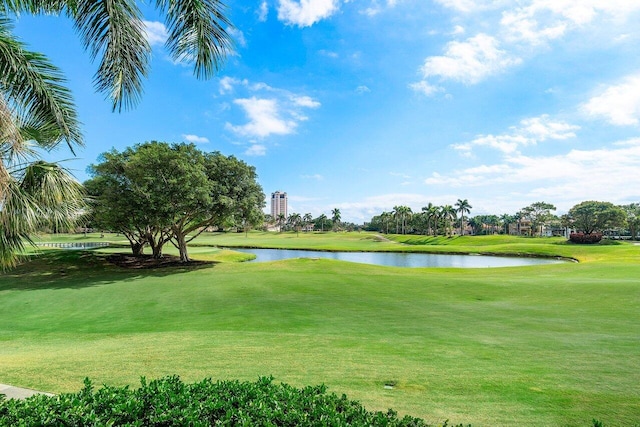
(147, 261)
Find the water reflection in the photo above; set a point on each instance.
(399, 259)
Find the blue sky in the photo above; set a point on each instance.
(362, 105)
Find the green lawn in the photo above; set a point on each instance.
(545, 345)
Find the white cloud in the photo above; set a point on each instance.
(195, 139)
(328, 53)
(619, 104)
(156, 32)
(305, 101)
(270, 111)
(263, 11)
(530, 132)
(362, 89)
(469, 6)
(425, 88)
(227, 84)
(264, 118)
(458, 29)
(238, 36)
(305, 13)
(256, 150)
(543, 20)
(470, 61)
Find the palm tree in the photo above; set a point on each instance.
(281, 220)
(385, 217)
(34, 195)
(462, 207)
(335, 217)
(404, 212)
(506, 219)
(295, 221)
(448, 215)
(322, 218)
(306, 220)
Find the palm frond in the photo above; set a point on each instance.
(197, 31)
(113, 29)
(34, 94)
(33, 6)
(39, 195)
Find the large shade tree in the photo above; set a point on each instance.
(172, 193)
(37, 109)
(592, 216)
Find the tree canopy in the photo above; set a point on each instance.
(592, 216)
(156, 192)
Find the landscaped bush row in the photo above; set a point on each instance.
(170, 402)
(585, 238)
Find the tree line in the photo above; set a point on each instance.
(588, 217)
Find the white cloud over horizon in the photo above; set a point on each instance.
(561, 176)
(530, 132)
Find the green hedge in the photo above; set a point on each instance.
(170, 402)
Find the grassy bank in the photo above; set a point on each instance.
(544, 345)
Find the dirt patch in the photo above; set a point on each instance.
(147, 261)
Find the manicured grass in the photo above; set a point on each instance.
(543, 345)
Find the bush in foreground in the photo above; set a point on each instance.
(170, 402)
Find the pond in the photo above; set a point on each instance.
(401, 259)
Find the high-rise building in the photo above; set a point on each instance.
(278, 204)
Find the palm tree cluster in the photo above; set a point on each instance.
(297, 222)
(431, 220)
(37, 109)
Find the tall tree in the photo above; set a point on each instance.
(448, 216)
(322, 219)
(335, 217)
(462, 207)
(281, 221)
(295, 222)
(307, 220)
(539, 213)
(505, 220)
(632, 212)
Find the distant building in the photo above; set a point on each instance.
(278, 204)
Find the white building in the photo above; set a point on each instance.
(278, 204)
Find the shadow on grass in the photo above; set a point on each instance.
(65, 269)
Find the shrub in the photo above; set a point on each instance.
(170, 402)
(585, 238)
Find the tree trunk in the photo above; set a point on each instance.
(182, 246)
(137, 248)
